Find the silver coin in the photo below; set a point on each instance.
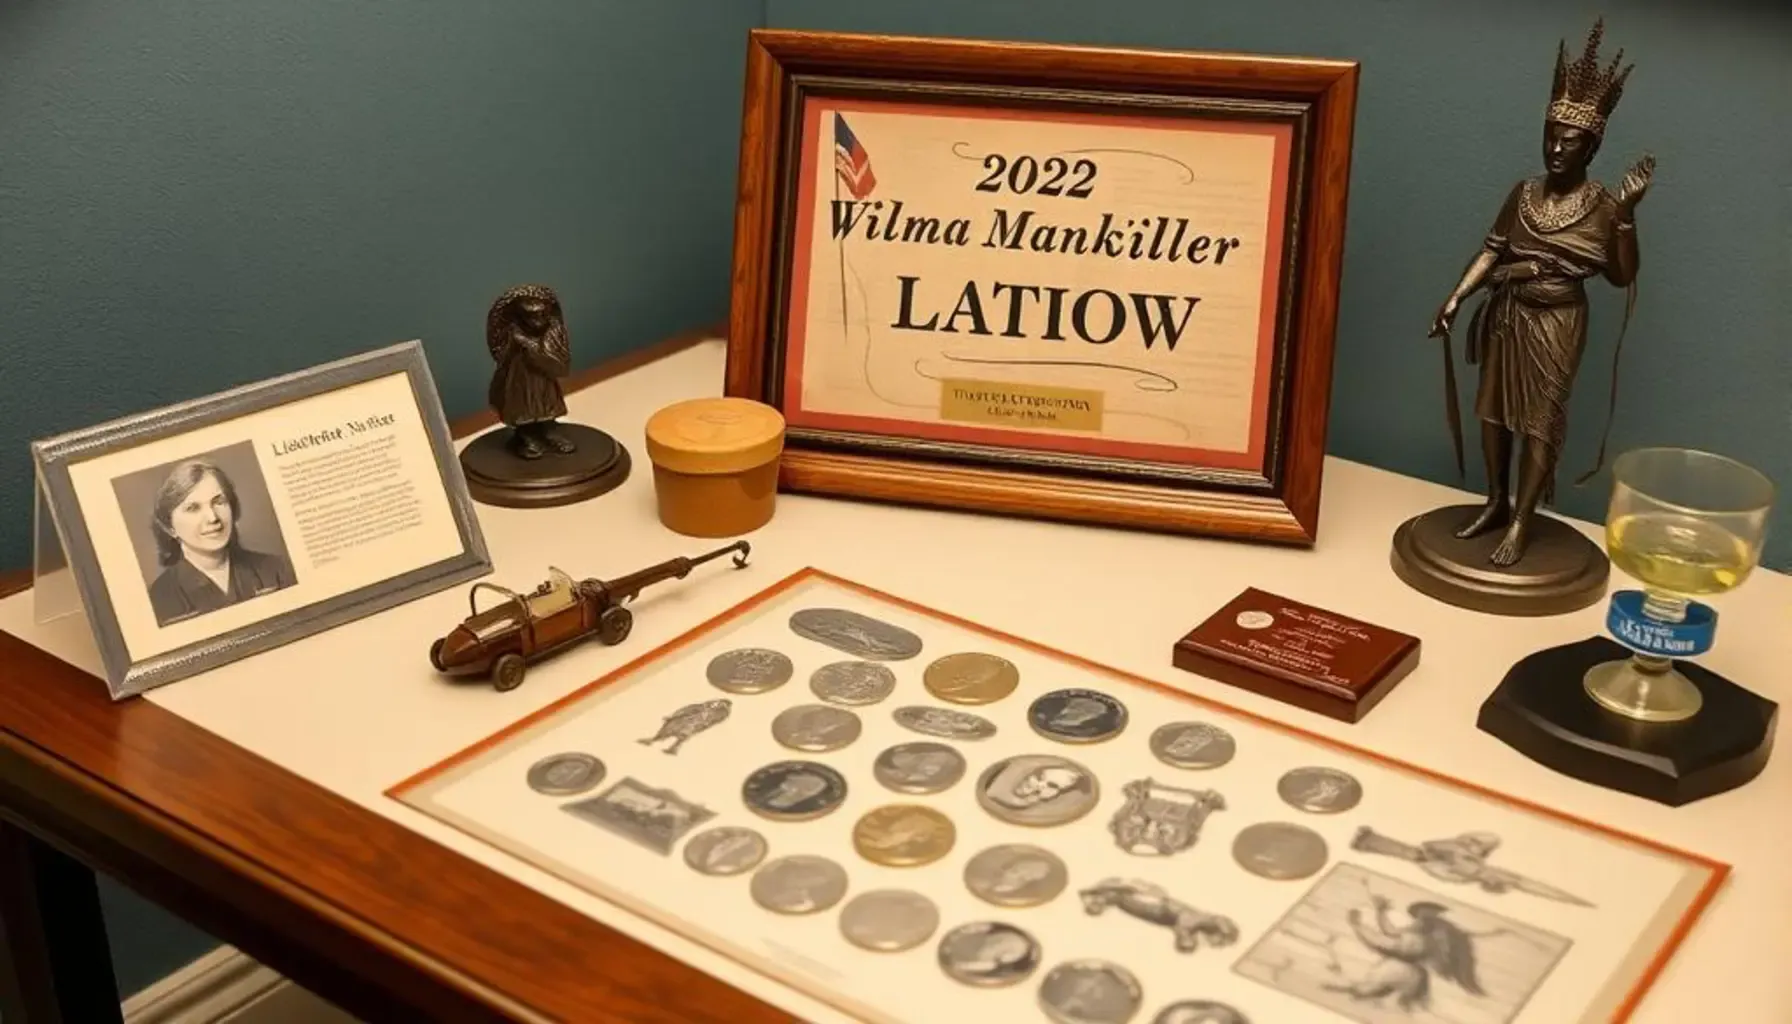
(794, 790)
(1280, 850)
(749, 670)
(798, 884)
(1090, 992)
(860, 636)
(944, 723)
(727, 850)
(1037, 789)
(1199, 1011)
(1320, 790)
(1192, 745)
(919, 767)
(566, 774)
(1077, 716)
(816, 728)
(889, 920)
(1016, 875)
(988, 954)
(853, 682)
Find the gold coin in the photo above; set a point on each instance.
(971, 678)
(903, 835)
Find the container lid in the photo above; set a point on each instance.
(714, 435)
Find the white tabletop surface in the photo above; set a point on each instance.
(358, 708)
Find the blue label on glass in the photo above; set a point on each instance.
(1639, 632)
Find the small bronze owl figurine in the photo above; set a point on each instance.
(526, 334)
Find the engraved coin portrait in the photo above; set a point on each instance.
(922, 767)
(1018, 874)
(794, 789)
(1192, 740)
(994, 952)
(729, 848)
(1037, 789)
(563, 773)
(204, 532)
(941, 722)
(903, 831)
(799, 884)
(921, 764)
(1037, 786)
(988, 953)
(1077, 711)
(1320, 790)
(816, 726)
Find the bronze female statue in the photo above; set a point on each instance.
(1554, 232)
(526, 333)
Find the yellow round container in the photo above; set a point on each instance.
(715, 465)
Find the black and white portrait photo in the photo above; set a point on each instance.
(205, 532)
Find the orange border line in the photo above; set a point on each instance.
(689, 635)
(1719, 871)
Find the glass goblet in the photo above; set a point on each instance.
(1686, 524)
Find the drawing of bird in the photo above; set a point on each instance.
(1429, 943)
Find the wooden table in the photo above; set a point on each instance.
(246, 800)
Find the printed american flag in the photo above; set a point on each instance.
(851, 161)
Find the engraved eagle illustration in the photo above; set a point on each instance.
(1429, 944)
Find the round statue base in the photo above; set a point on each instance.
(1560, 571)
(496, 475)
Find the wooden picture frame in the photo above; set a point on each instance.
(316, 498)
(1020, 417)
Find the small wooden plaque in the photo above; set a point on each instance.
(1309, 657)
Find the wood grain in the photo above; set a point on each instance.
(1288, 513)
(372, 916)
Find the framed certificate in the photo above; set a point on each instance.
(1084, 284)
(198, 534)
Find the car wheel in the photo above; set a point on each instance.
(507, 672)
(613, 625)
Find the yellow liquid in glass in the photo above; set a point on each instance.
(1678, 553)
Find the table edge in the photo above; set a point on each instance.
(255, 854)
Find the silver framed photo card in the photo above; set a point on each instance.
(205, 532)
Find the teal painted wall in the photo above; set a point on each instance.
(1448, 118)
(193, 196)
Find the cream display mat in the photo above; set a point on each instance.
(1462, 906)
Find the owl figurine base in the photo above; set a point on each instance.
(496, 475)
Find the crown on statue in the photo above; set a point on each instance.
(1584, 93)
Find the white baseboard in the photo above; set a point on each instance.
(225, 985)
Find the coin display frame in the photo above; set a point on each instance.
(1640, 894)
